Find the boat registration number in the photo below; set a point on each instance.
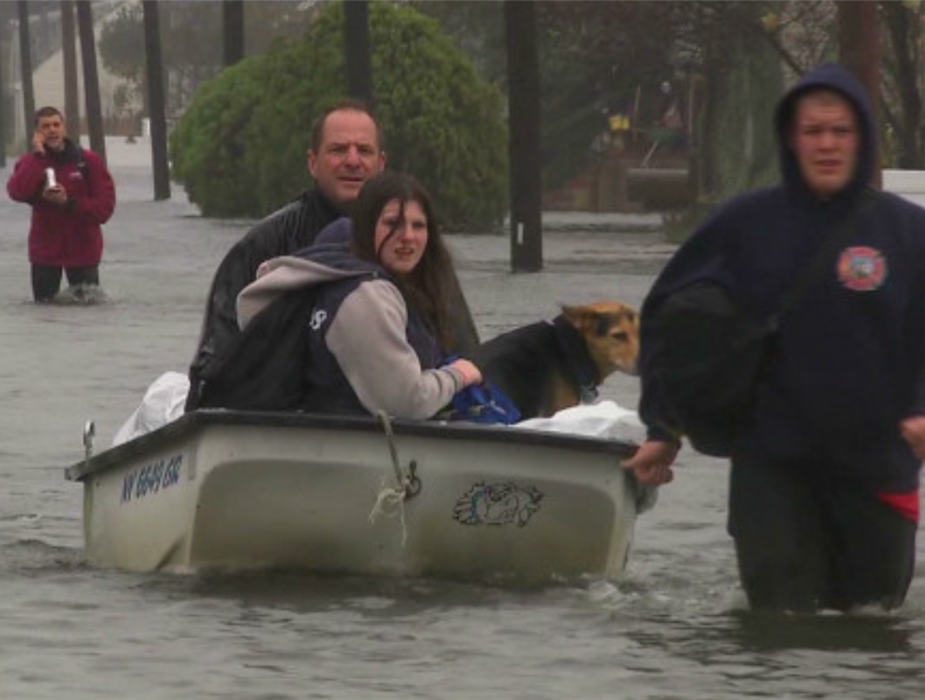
(151, 478)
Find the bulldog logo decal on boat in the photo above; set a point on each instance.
(497, 504)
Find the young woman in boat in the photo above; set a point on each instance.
(374, 309)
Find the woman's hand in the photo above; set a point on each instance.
(471, 374)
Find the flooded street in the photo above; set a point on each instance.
(674, 628)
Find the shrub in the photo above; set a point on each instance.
(240, 149)
(210, 145)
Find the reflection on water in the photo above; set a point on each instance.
(862, 632)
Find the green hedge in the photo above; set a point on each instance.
(240, 149)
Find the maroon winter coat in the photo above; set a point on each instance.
(68, 236)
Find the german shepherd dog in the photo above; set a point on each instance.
(548, 366)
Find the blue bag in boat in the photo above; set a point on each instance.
(483, 403)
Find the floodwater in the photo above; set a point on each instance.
(673, 628)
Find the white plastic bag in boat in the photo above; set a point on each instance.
(605, 419)
(163, 402)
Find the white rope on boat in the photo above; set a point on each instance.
(391, 499)
(390, 436)
(391, 502)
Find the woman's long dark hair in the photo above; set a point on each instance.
(424, 288)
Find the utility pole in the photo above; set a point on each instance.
(91, 78)
(2, 110)
(525, 133)
(357, 50)
(859, 51)
(3, 88)
(69, 55)
(25, 65)
(156, 101)
(233, 34)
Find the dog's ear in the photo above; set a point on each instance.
(572, 313)
(585, 319)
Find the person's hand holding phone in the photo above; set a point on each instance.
(55, 195)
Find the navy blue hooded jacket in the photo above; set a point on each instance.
(849, 363)
(327, 388)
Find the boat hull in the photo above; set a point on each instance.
(223, 490)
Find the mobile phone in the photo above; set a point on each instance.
(50, 181)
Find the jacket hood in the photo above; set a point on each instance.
(311, 266)
(832, 77)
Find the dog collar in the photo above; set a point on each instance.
(578, 359)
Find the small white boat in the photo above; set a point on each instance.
(224, 490)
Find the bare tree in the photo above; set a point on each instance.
(903, 81)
